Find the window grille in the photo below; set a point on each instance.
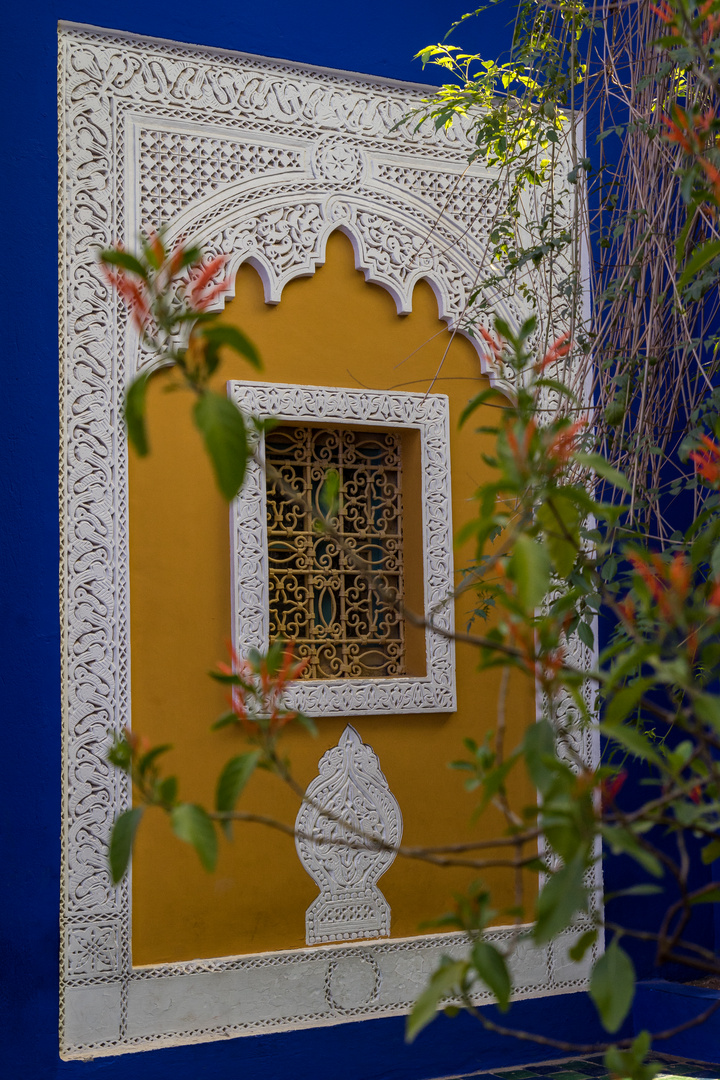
(318, 596)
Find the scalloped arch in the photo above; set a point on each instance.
(239, 223)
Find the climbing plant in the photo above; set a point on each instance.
(578, 518)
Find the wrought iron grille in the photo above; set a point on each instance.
(318, 597)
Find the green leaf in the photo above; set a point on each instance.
(538, 746)
(629, 1063)
(712, 896)
(492, 969)
(232, 781)
(625, 701)
(167, 790)
(707, 707)
(585, 633)
(218, 336)
(134, 411)
(223, 430)
(599, 465)
(530, 569)
(634, 890)
(559, 520)
(192, 824)
(699, 259)
(125, 260)
(612, 986)
(447, 978)
(710, 852)
(581, 946)
(152, 755)
(308, 723)
(634, 741)
(121, 842)
(329, 494)
(563, 895)
(224, 721)
(476, 402)
(621, 840)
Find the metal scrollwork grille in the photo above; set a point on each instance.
(319, 598)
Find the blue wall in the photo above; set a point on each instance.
(377, 37)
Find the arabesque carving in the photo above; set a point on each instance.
(262, 160)
(349, 810)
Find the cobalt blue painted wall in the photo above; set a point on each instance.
(378, 37)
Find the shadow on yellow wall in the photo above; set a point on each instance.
(330, 329)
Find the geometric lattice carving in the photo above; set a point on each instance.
(319, 598)
(349, 805)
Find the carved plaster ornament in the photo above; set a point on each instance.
(341, 858)
(260, 159)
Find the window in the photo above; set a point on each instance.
(319, 594)
(391, 453)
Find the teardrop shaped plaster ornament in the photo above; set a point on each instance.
(336, 848)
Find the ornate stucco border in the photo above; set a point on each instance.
(261, 159)
(429, 415)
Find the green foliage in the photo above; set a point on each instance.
(121, 842)
(492, 968)
(612, 986)
(232, 780)
(556, 533)
(446, 981)
(560, 900)
(192, 824)
(164, 292)
(629, 1063)
(223, 430)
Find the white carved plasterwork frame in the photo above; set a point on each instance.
(428, 414)
(262, 160)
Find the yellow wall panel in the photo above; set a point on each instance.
(329, 329)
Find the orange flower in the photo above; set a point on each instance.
(626, 608)
(712, 21)
(496, 346)
(712, 174)
(559, 348)
(707, 460)
(705, 121)
(678, 130)
(666, 14)
(157, 248)
(200, 299)
(563, 444)
(679, 575)
(714, 600)
(610, 787)
(133, 295)
(643, 570)
(176, 258)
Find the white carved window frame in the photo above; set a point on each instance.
(428, 414)
(260, 159)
